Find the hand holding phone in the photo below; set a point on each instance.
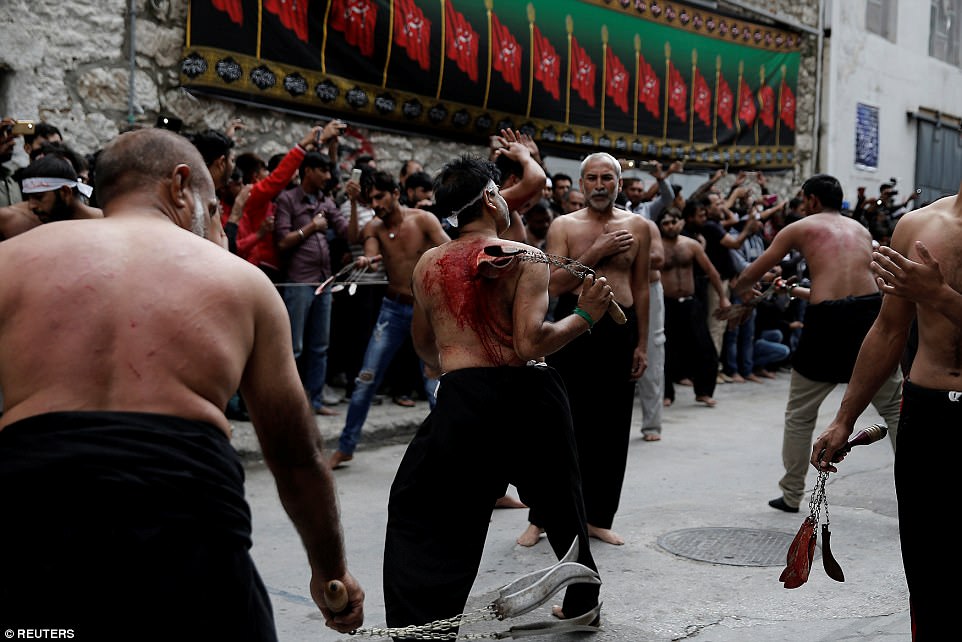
(356, 174)
(19, 127)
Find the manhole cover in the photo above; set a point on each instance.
(732, 546)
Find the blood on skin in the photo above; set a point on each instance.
(471, 299)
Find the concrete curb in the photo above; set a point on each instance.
(386, 423)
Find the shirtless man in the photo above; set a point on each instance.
(129, 513)
(612, 357)
(53, 193)
(501, 415)
(921, 274)
(842, 305)
(398, 235)
(688, 347)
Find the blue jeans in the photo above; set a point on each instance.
(311, 333)
(392, 328)
(769, 348)
(739, 346)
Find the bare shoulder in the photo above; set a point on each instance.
(938, 225)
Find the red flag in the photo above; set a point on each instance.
(461, 41)
(726, 102)
(766, 105)
(506, 53)
(356, 19)
(786, 110)
(617, 83)
(232, 8)
(649, 88)
(702, 95)
(412, 31)
(582, 73)
(677, 93)
(547, 65)
(746, 108)
(293, 15)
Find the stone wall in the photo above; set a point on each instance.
(67, 63)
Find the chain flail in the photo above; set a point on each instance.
(818, 499)
(572, 266)
(446, 629)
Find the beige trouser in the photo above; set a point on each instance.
(716, 327)
(804, 398)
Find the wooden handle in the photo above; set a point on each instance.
(335, 596)
(616, 313)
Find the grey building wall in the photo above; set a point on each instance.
(68, 63)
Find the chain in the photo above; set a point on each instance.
(818, 499)
(446, 629)
(572, 266)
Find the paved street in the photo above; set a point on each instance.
(714, 470)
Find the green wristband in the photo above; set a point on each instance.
(584, 315)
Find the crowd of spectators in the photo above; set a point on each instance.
(300, 217)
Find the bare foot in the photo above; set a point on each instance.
(667, 402)
(530, 536)
(685, 382)
(737, 378)
(338, 458)
(768, 374)
(605, 535)
(705, 399)
(508, 502)
(558, 613)
(753, 378)
(651, 436)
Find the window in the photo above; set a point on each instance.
(944, 30)
(880, 18)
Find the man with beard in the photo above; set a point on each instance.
(398, 236)
(612, 357)
(53, 192)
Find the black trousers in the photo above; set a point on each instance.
(689, 349)
(491, 427)
(929, 442)
(596, 369)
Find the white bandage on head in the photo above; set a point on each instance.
(453, 218)
(48, 184)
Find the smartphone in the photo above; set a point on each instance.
(22, 127)
(356, 174)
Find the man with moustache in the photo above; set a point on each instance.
(398, 236)
(53, 192)
(611, 358)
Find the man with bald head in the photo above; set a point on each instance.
(123, 339)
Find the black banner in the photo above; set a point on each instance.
(636, 78)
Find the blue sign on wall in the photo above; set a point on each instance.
(866, 136)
